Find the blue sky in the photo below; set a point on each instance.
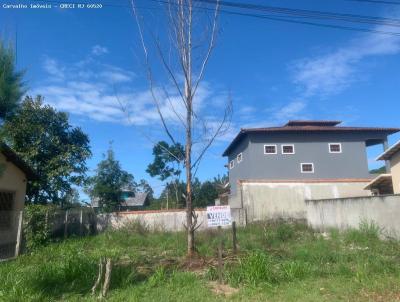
(80, 60)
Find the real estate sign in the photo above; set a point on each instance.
(219, 216)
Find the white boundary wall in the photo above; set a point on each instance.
(265, 200)
(346, 213)
(162, 220)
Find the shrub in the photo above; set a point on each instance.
(279, 232)
(367, 233)
(37, 229)
(295, 270)
(136, 226)
(253, 269)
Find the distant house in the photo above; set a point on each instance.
(14, 175)
(388, 183)
(131, 201)
(273, 170)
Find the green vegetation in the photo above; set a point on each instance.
(11, 82)
(380, 170)
(108, 182)
(277, 262)
(56, 150)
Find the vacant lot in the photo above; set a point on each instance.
(277, 262)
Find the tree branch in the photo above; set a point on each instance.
(150, 73)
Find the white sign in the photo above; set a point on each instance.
(219, 216)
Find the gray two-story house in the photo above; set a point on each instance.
(272, 171)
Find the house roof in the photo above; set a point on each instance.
(137, 201)
(307, 126)
(312, 123)
(11, 156)
(388, 154)
(383, 180)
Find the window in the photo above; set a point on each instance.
(231, 164)
(287, 149)
(307, 168)
(335, 148)
(239, 157)
(270, 149)
(6, 207)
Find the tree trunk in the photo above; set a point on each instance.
(189, 205)
(188, 166)
(188, 154)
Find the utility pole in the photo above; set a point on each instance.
(167, 196)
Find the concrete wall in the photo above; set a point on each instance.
(310, 147)
(273, 200)
(165, 220)
(350, 212)
(12, 179)
(168, 220)
(395, 171)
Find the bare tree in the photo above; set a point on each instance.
(184, 50)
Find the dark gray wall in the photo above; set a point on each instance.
(309, 148)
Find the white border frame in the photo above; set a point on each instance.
(309, 172)
(288, 145)
(329, 148)
(270, 145)
(241, 157)
(231, 164)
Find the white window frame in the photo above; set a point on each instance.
(288, 145)
(301, 167)
(330, 144)
(232, 164)
(276, 149)
(240, 155)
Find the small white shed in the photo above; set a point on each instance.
(14, 175)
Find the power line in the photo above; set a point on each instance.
(283, 14)
(314, 23)
(289, 19)
(377, 1)
(309, 13)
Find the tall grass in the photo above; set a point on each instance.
(272, 255)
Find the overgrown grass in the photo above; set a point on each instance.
(277, 262)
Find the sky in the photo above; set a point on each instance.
(89, 62)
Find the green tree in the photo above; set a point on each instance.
(206, 195)
(380, 170)
(221, 183)
(173, 195)
(143, 186)
(167, 160)
(167, 165)
(107, 183)
(11, 85)
(43, 137)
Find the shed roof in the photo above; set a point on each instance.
(18, 161)
(388, 154)
(307, 126)
(137, 201)
(381, 181)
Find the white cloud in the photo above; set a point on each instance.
(88, 89)
(293, 110)
(52, 68)
(333, 72)
(275, 116)
(99, 50)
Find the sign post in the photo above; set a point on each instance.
(219, 216)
